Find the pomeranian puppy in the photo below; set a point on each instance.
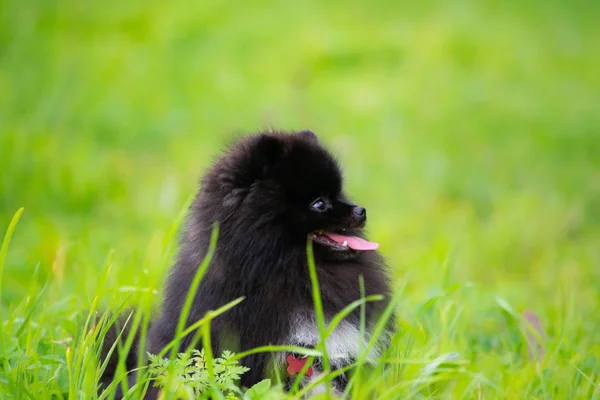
(270, 193)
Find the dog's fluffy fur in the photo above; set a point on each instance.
(269, 193)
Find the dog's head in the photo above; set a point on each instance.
(289, 182)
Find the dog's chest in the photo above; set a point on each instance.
(343, 344)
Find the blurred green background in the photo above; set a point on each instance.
(469, 129)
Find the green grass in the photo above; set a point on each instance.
(469, 130)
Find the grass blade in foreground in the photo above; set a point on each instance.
(312, 270)
(3, 251)
(193, 288)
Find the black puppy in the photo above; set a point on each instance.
(270, 193)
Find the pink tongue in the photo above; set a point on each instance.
(353, 242)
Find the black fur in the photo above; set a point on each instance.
(260, 192)
(120, 332)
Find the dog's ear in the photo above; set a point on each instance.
(263, 154)
(309, 135)
(249, 160)
(266, 150)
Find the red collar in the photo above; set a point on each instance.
(295, 365)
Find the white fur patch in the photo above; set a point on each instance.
(343, 344)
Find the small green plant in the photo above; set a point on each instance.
(188, 375)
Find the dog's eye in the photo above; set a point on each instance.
(319, 205)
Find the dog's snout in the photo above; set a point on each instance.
(360, 212)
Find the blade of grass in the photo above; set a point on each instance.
(200, 323)
(31, 309)
(349, 309)
(3, 251)
(379, 328)
(273, 349)
(331, 327)
(167, 245)
(362, 322)
(312, 270)
(192, 290)
(324, 378)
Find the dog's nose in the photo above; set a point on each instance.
(360, 212)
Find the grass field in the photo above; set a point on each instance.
(470, 130)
